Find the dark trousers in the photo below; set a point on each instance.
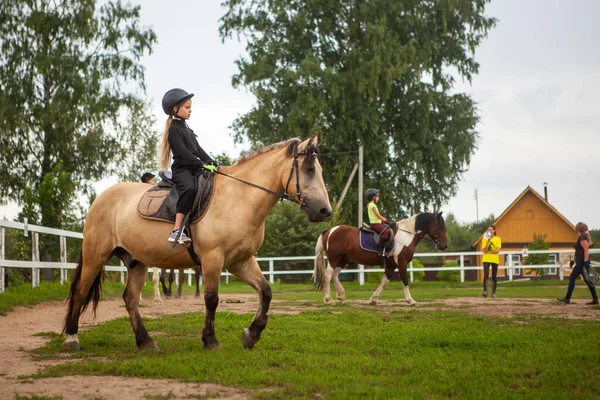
(486, 272)
(578, 270)
(185, 182)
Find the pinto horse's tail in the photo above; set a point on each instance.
(93, 294)
(319, 270)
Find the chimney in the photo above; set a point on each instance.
(546, 191)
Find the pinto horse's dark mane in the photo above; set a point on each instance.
(425, 219)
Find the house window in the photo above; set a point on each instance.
(516, 261)
(553, 259)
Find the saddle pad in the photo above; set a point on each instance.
(367, 243)
(160, 204)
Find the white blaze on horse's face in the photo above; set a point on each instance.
(313, 192)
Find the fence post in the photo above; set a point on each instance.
(271, 270)
(412, 277)
(122, 272)
(561, 267)
(462, 268)
(189, 276)
(35, 257)
(2, 270)
(510, 267)
(63, 258)
(361, 274)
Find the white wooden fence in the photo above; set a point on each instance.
(36, 265)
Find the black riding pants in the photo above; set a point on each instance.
(578, 270)
(486, 272)
(185, 182)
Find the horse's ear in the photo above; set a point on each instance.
(440, 213)
(311, 141)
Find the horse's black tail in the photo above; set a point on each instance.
(319, 270)
(93, 295)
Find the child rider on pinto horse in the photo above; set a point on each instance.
(376, 219)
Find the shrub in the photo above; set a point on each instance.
(449, 276)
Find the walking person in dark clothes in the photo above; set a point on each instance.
(149, 178)
(582, 260)
(188, 157)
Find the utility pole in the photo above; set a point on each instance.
(476, 206)
(360, 184)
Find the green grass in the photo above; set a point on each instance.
(356, 353)
(27, 296)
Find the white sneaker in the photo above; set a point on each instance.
(183, 239)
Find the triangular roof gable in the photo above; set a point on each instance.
(536, 194)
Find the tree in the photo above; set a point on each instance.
(138, 142)
(63, 66)
(378, 71)
(539, 243)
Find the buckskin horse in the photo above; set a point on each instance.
(342, 247)
(229, 234)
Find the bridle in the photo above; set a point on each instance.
(435, 240)
(285, 195)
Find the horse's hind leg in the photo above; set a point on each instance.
(155, 282)
(251, 274)
(136, 278)
(197, 274)
(329, 272)
(180, 283)
(339, 289)
(86, 285)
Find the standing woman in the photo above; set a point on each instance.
(491, 245)
(188, 157)
(582, 260)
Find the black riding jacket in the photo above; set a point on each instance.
(187, 153)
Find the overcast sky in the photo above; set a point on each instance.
(538, 92)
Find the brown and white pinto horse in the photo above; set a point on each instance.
(341, 246)
(228, 236)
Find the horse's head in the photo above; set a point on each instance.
(433, 225)
(437, 231)
(304, 182)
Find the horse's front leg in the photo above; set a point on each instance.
(387, 277)
(250, 273)
(404, 279)
(212, 274)
(136, 278)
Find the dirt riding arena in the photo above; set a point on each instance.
(18, 327)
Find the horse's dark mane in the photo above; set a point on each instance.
(424, 219)
(290, 143)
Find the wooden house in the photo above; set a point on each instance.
(530, 213)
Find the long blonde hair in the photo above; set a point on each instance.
(165, 149)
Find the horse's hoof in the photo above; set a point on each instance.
(413, 304)
(212, 346)
(247, 340)
(158, 300)
(148, 346)
(373, 303)
(71, 346)
(329, 302)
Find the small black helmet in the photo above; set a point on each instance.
(174, 97)
(370, 193)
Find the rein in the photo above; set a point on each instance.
(283, 196)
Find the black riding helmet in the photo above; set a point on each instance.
(174, 97)
(370, 193)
